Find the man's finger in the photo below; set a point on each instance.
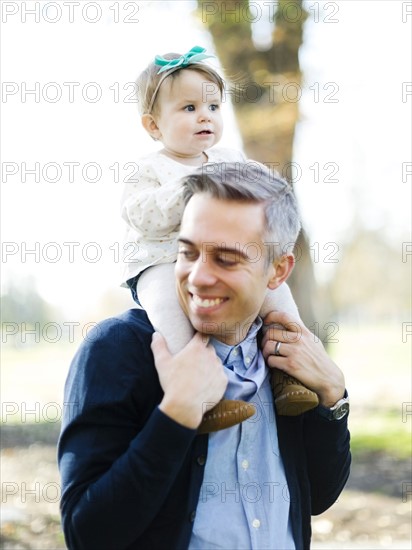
(279, 317)
(290, 323)
(159, 348)
(278, 335)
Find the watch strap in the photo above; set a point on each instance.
(340, 407)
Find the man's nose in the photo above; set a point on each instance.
(202, 273)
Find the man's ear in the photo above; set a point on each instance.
(282, 268)
(150, 125)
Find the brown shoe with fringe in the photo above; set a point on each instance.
(225, 414)
(291, 396)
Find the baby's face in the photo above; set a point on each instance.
(189, 119)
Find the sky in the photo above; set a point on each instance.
(71, 135)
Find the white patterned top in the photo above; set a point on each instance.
(152, 207)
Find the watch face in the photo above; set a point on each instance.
(341, 411)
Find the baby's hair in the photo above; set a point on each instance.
(149, 82)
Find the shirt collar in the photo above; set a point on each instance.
(245, 350)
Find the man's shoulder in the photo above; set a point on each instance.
(132, 325)
(112, 364)
(113, 348)
(132, 317)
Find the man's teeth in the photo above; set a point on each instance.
(207, 302)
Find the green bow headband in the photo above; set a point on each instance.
(195, 55)
(192, 56)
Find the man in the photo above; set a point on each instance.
(135, 473)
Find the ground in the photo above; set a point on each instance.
(374, 511)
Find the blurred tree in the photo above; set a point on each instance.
(258, 45)
(366, 286)
(21, 303)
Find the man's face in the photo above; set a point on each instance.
(221, 274)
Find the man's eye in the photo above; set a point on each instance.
(227, 259)
(189, 108)
(187, 254)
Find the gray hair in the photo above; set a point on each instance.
(252, 182)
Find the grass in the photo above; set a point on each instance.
(31, 378)
(382, 431)
(375, 360)
(377, 365)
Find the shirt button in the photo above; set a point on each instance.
(247, 360)
(245, 464)
(193, 515)
(256, 523)
(201, 460)
(235, 351)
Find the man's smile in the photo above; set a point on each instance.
(206, 303)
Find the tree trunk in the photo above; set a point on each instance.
(265, 87)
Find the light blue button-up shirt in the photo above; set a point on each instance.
(244, 498)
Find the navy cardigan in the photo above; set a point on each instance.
(131, 476)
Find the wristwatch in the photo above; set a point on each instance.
(338, 411)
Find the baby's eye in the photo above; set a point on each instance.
(214, 107)
(189, 108)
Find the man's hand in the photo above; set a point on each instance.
(302, 357)
(193, 380)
